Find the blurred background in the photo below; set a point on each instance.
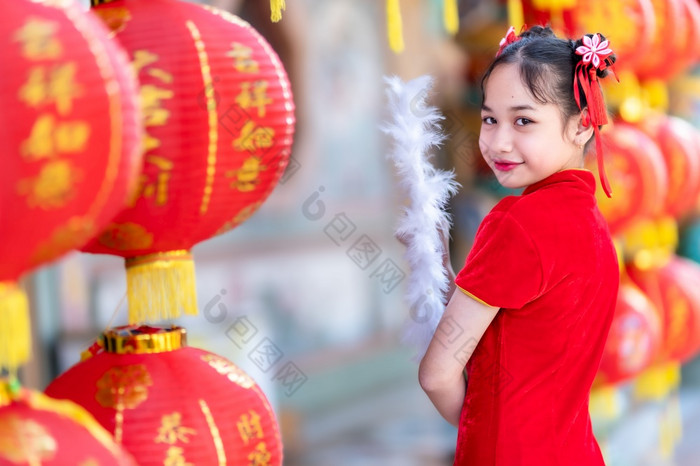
(292, 276)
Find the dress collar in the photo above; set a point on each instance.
(584, 179)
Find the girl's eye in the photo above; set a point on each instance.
(488, 120)
(522, 121)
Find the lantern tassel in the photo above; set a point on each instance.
(15, 330)
(516, 16)
(394, 26)
(451, 16)
(276, 7)
(160, 286)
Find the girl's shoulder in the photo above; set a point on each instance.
(542, 210)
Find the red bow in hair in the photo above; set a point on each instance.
(594, 52)
(507, 40)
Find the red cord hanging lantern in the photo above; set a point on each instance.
(673, 288)
(71, 144)
(167, 403)
(219, 116)
(35, 429)
(637, 175)
(676, 139)
(634, 339)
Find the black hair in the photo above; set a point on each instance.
(547, 65)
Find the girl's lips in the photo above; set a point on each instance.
(505, 166)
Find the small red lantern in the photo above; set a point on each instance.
(35, 429)
(637, 175)
(673, 288)
(167, 403)
(70, 144)
(634, 339)
(219, 121)
(676, 139)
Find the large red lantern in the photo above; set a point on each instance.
(673, 288)
(637, 175)
(171, 404)
(70, 143)
(677, 140)
(634, 339)
(219, 121)
(34, 429)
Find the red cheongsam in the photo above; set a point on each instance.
(547, 260)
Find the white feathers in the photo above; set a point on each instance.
(415, 131)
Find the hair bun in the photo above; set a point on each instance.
(538, 31)
(609, 60)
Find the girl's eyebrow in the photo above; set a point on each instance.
(515, 108)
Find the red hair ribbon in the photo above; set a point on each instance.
(594, 53)
(509, 38)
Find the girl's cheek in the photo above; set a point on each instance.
(482, 146)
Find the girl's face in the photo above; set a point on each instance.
(522, 140)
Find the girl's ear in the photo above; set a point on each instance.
(584, 128)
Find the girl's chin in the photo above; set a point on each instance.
(509, 182)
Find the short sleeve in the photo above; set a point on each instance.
(503, 268)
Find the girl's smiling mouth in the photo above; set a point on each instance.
(504, 165)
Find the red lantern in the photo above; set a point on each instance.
(692, 13)
(219, 121)
(637, 175)
(71, 140)
(634, 339)
(676, 139)
(34, 429)
(674, 289)
(167, 403)
(669, 41)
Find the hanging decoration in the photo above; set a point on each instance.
(674, 290)
(219, 119)
(167, 403)
(36, 430)
(394, 24)
(71, 145)
(635, 336)
(677, 140)
(637, 175)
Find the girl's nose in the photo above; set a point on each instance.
(502, 141)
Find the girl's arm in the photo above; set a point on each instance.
(441, 370)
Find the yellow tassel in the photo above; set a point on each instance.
(516, 17)
(276, 7)
(655, 94)
(604, 402)
(15, 331)
(394, 27)
(451, 16)
(160, 286)
(656, 383)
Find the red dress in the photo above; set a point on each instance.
(547, 260)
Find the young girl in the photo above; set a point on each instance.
(535, 299)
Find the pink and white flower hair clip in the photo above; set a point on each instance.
(594, 51)
(509, 38)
